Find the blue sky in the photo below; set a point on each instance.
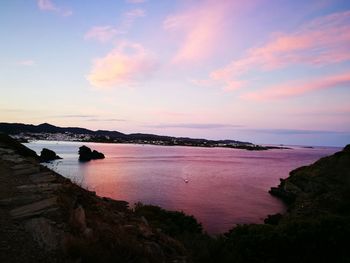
(260, 71)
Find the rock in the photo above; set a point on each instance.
(286, 191)
(44, 233)
(85, 154)
(146, 232)
(34, 209)
(17, 147)
(40, 188)
(43, 177)
(26, 171)
(97, 155)
(20, 200)
(154, 250)
(144, 220)
(273, 219)
(78, 219)
(47, 155)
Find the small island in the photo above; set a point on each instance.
(47, 155)
(86, 154)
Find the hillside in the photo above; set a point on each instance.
(316, 227)
(44, 217)
(53, 218)
(45, 131)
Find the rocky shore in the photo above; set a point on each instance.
(44, 217)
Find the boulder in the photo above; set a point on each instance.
(47, 155)
(85, 154)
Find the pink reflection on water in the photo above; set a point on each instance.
(225, 186)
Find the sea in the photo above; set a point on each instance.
(220, 187)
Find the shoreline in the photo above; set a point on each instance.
(249, 148)
(65, 219)
(68, 223)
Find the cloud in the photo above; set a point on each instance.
(296, 88)
(27, 62)
(73, 116)
(322, 41)
(295, 131)
(132, 14)
(106, 119)
(108, 32)
(123, 66)
(11, 110)
(195, 126)
(136, 1)
(48, 5)
(102, 33)
(85, 117)
(197, 30)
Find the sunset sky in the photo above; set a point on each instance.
(265, 71)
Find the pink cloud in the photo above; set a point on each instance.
(48, 5)
(108, 32)
(123, 66)
(135, 1)
(132, 14)
(102, 33)
(198, 30)
(323, 41)
(296, 88)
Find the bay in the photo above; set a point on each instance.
(221, 187)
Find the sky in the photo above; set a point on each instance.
(264, 71)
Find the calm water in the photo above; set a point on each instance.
(225, 186)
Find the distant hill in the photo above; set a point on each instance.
(100, 135)
(16, 128)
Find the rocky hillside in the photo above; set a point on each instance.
(319, 189)
(46, 218)
(316, 227)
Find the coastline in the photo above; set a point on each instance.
(68, 222)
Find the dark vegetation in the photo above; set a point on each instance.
(172, 223)
(85, 154)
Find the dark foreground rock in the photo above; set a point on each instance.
(85, 154)
(44, 217)
(47, 155)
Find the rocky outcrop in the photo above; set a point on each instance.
(47, 155)
(322, 187)
(17, 147)
(85, 154)
(49, 216)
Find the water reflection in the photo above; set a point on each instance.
(225, 186)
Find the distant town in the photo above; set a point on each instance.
(27, 133)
